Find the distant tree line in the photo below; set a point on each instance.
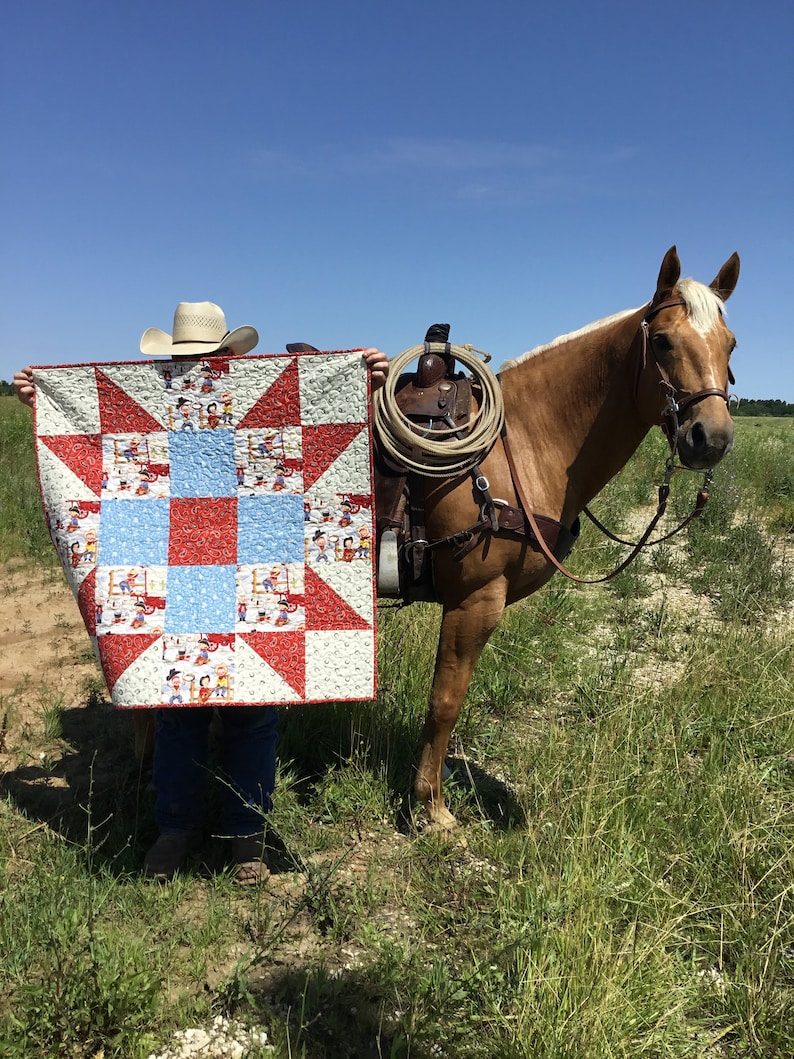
(762, 408)
(769, 407)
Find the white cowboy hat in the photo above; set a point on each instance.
(199, 329)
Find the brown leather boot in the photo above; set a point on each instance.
(248, 854)
(170, 854)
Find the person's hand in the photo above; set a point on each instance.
(378, 364)
(24, 386)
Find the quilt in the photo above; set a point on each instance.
(214, 519)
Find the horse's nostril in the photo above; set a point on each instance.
(697, 437)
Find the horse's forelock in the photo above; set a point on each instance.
(704, 306)
(595, 326)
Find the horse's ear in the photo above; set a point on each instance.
(669, 273)
(724, 283)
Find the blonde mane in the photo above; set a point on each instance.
(595, 326)
(703, 305)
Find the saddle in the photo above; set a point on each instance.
(435, 396)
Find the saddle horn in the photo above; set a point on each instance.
(437, 333)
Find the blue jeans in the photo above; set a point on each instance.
(247, 768)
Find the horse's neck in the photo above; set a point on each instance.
(572, 417)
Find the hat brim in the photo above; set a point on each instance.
(156, 343)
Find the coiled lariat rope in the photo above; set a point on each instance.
(440, 451)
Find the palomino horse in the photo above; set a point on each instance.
(575, 412)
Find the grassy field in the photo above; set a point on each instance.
(622, 884)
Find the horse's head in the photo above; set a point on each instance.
(687, 346)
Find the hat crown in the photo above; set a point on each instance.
(199, 330)
(199, 322)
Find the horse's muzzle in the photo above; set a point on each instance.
(702, 441)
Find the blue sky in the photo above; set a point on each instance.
(346, 174)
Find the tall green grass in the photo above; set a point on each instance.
(22, 528)
(621, 885)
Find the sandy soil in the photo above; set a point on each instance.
(59, 737)
(44, 648)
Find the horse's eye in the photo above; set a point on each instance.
(661, 343)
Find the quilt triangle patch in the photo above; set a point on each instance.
(141, 683)
(81, 453)
(280, 405)
(326, 609)
(85, 601)
(58, 479)
(119, 413)
(322, 444)
(117, 651)
(284, 652)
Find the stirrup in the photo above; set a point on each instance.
(388, 576)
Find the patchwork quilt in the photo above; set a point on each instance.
(214, 519)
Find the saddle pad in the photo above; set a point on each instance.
(214, 520)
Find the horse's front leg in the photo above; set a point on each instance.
(465, 629)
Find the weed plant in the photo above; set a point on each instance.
(620, 886)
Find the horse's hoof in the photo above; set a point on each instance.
(438, 822)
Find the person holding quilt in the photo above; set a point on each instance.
(181, 741)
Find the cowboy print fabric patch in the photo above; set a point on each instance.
(214, 519)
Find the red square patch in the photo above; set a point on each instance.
(203, 531)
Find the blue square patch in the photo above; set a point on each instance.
(270, 529)
(200, 598)
(202, 463)
(133, 533)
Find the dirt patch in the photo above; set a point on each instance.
(45, 653)
(61, 742)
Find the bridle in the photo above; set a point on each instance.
(674, 405)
